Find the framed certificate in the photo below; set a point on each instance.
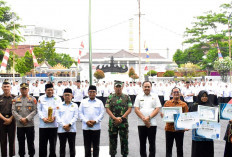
(226, 111)
(210, 130)
(208, 113)
(169, 112)
(188, 120)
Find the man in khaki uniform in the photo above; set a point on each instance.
(7, 122)
(24, 109)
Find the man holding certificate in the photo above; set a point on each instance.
(147, 106)
(47, 123)
(170, 132)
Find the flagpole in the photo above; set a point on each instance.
(90, 46)
(139, 45)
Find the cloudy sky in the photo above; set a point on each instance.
(162, 25)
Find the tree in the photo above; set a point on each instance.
(169, 73)
(151, 73)
(188, 69)
(99, 74)
(46, 51)
(223, 66)
(24, 64)
(131, 72)
(7, 21)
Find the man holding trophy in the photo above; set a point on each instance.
(47, 105)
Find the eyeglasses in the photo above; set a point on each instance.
(176, 92)
(92, 91)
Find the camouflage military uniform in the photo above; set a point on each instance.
(118, 105)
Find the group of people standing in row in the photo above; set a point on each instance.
(58, 118)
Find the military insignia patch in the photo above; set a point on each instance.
(18, 107)
(57, 108)
(72, 106)
(29, 107)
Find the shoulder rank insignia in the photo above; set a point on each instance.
(29, 107)
(35, 102)
(72, 105)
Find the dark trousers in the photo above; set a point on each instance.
(91, 137)
(228, 149)
(104, 100)
(37, 98)
(179, 138)
(29, 133)
(71, 137)
(62, 98)
(132, 99)
(7, 131)
(78, 103)
(45, 135)
(145, 133)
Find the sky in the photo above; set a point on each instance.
(163, 22)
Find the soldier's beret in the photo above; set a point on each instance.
(24, 85)
(117, 83)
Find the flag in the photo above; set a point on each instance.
(219, 52)
(80, 51)
(5, 60)
(146, 68)
(82, 44)
(34, 58)
(147, 52)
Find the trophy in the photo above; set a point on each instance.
(50, 111)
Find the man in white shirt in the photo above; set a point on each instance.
(91, 113)
(188, 94)
(67, 114)
(147, 106)
(78, 93)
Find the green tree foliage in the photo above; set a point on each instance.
(152, 73)
(169, 73)
(46, 51)
(24, 64)
(7, 21)
(99, 74)
(207, 30)
(223, 66)
(188, 69)
(131, 72)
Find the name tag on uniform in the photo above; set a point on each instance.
(141, 100)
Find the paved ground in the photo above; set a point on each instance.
(134, 140)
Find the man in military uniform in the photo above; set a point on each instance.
(24, 109)
(118, 106)
(7, 122)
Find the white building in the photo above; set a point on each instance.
(122, 57)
